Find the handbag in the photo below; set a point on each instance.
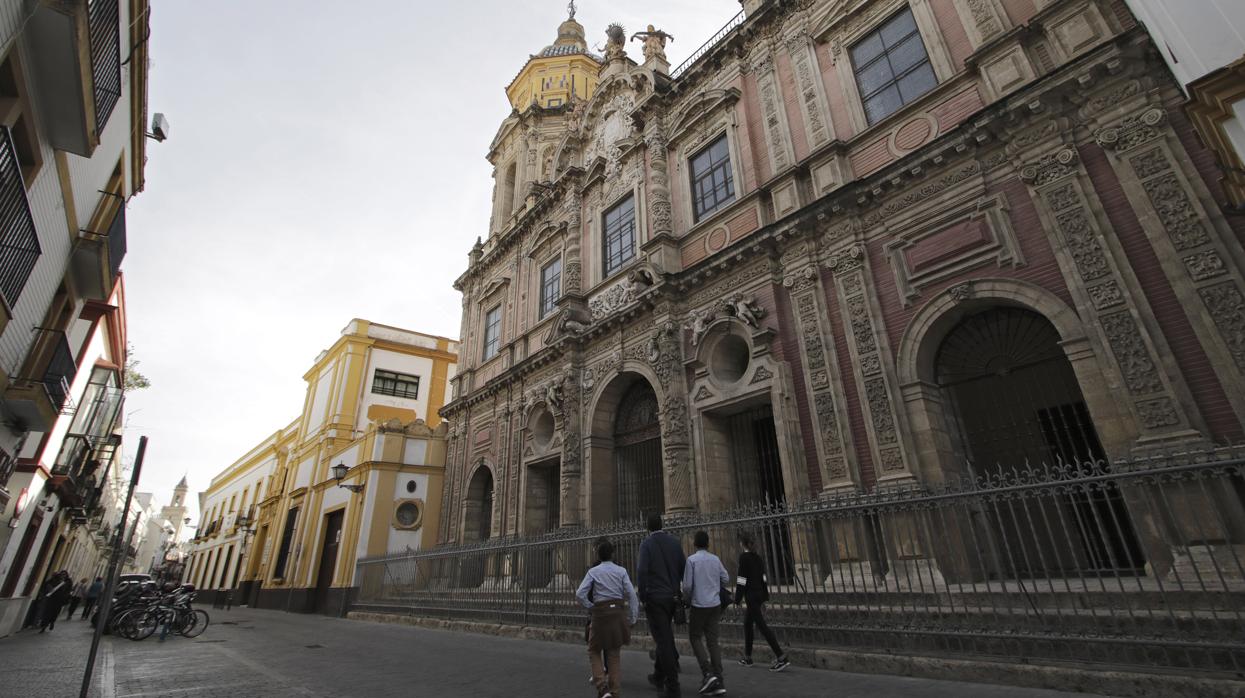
(680, 611)
(725, 598)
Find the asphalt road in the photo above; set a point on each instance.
(247, 653)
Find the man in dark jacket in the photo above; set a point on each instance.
(659, 573)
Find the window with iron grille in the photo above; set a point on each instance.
(492, 332)
(619, 241)
(891, 66)
(395, 384)
(19, 245)
(104, 20)
(713, 186)
(550, 286)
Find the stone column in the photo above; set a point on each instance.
(773, 113)
(1198, 253)
(1107, 299)
(664, 352)
(571, 470)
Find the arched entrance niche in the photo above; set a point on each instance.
(999, 376)
(477, 526)
(1014, 400)
(625, 478)
(542, 502)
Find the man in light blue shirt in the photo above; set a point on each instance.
(703, 580)
(608, 592)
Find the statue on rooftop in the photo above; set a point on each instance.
(616, 37)
(654, 42)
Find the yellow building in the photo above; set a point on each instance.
(562, 71)
(371, 410)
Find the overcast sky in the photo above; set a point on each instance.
(325, 161)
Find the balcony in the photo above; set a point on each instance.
(96, 257)
(37, 398)
(77, 53)
(19, 243)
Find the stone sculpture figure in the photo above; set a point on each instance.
(744, 309)
(654, 42)
(699, 324)
(616, 36)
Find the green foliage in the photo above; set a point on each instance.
(133, 379)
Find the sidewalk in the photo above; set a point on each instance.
(247, 654)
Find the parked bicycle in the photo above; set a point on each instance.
(167, 612)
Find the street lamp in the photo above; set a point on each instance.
(339, 474)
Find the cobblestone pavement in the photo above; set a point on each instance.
(248, 653)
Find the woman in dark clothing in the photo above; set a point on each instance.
(54, 599)
(751, 589)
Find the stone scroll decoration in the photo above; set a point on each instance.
(874, 381)
(1104, 300)
(821, 371)
(1190, 248)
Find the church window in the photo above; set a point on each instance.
(492, 332)
(891, 66)
(550, 286)
(713, 186)
(619, 242)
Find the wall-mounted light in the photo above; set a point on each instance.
(339, 474)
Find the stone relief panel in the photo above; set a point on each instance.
(1191, 249)
(836, 459)
(865, 342)
(1089, 263)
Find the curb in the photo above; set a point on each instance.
(1125, 684)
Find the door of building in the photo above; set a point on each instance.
(23, 552)
(328, 557)
(759, 482)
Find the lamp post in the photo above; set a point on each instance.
(339, 473)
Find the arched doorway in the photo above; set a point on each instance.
(1014, 403)
(477, 527)
(637, 454)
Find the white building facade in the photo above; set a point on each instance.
(1203, 42)
(73, 107)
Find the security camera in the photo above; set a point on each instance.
(159, 127)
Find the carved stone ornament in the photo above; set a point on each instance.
(612, 300)
(698, 324)
(961, 292)
(1132, 131)
(1050, 167)
(743, 309)
(847, 260)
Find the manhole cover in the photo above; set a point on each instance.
(314, 647)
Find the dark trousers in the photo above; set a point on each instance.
(87, 605)
(702, 632)
(755, 615)
(660, 615)
(73, 605)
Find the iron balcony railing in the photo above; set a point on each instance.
(1136, 563)
(61, 369)
(19, 243)
(708, 45)
(104, 21)
(116, 242)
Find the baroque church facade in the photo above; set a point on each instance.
(850, 245)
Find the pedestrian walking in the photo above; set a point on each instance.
(75, 598)
(54, 599)
(93, 593)
(752, 588)
(607, 591)
(659, 573)
(703, 583)
(596, 547)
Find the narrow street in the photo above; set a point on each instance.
(272, 654)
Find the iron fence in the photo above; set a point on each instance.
(1135, 563)
(704, 49)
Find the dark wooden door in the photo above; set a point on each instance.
(328, 557)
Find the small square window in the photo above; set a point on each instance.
(619, 244)
(892, 67)
(713, 185)
(550, 286)
(492, 332)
